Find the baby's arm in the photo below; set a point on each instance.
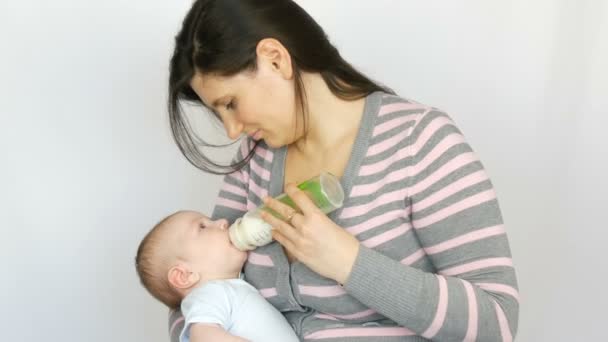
(203, 332)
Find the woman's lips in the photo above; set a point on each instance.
(257, 135)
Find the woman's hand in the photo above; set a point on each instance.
(312, 237)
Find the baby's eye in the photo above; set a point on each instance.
(201, 226)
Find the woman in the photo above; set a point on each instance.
(417, 253)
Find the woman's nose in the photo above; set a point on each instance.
(233, 127)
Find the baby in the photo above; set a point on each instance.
(188, 260)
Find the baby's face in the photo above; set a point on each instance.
(205, 245)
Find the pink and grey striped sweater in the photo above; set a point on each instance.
(434, 262)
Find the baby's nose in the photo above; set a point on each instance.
(222, 224)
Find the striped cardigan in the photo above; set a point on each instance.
(434, 262)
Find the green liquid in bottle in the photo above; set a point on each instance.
(313, 188)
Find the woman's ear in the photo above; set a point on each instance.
(271, 53)
(181, 277)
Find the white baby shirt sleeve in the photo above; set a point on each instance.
(211, 304)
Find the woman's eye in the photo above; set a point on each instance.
(201, 226)
(230, 105)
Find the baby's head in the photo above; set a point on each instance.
(184, 250)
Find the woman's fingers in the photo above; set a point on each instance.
(281, 226)
(285, 211)
(301, 200)
(284, 241)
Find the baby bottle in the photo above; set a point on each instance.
(250, 231)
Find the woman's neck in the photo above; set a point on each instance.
(330, 121)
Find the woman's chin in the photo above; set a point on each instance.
(270, 142)
(274, 142)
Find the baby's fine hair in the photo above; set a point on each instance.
(151, 269)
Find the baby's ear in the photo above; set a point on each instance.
(181, 277)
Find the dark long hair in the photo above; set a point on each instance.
(221, 36)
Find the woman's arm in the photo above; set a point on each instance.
(455, 215)
(472, 294)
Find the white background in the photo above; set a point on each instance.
(87, 163)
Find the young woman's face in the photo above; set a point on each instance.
(258, 103)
